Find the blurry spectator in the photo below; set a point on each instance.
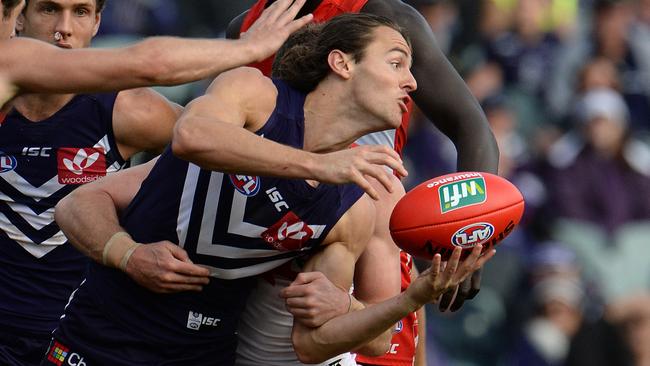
(503, 122)
(442, 17)
(615, 36)
(598, 73)
(526, 54)
(560, 330)
(601, 179)
(633, 314)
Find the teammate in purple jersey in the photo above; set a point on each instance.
(240, 225)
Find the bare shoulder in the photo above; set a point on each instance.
(143, 100)
(247, 87)
(244, 79)
(355, 227)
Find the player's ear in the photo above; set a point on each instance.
(20, 23)
(98, 20)
(340, 63)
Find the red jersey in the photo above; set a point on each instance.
(327, 9)
(402, 351)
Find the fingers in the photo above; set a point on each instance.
(461, 294)
(475, 284)
(181, 263)
(358, 179)
(307, 277)
(447, 298)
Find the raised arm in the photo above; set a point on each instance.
(154, 61)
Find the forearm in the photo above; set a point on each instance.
(87, 227)
(349, 331)
(231, 149)
(154, 61)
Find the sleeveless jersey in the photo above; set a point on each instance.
(40, 163)
(394, 138)
(265, 326)
(237, 226)
(328, 9)
(405, 337)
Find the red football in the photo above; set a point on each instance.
(461, 209)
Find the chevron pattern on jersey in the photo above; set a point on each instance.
(27, 209)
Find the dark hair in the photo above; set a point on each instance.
(8, 6)
(99, 5)
(302, 60)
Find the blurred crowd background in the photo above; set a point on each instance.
(565, 85)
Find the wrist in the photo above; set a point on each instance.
(410, 302)
(118, 250)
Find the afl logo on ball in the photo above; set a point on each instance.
(245, 184)
(473, 235)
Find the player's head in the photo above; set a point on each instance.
(10, 10)
(64, 23)
(369, 53)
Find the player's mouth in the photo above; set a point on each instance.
(63, 45)
(403, 103)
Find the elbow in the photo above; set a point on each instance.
(65, 208)
(377, 347)
(182, 138)
(307, 350)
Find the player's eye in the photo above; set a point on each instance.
(48, 9)
(82, 12)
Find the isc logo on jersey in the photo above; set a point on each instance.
(195, 320)
(245, 184)
(473, 235)
(7, 163)
(80, 165)
(460, 194)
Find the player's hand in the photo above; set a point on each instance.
(356, 164)
(274, 26)
(467, 290)
(437, 280)
(165, 268)
(313, 299)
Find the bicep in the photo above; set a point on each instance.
(143, 120)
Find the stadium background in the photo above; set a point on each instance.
(565, 85)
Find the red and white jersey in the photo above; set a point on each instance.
(405, 337)
(328, 9)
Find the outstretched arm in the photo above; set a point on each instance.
(354, 329)
(154, 61)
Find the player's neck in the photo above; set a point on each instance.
(37, 107)
(333, 121)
